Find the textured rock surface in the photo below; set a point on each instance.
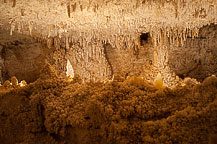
(21, 56)
(52, 110)
(102, 38)
(198, 57)
(106, 18)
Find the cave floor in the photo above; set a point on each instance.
(54, 110)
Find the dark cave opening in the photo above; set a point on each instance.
(144, 38)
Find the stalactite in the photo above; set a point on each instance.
(177, 41)
(30, 27)
(160, 37)
(185, 35)
(50, 42)
(192, 34)
(56, 43)
(182, 40)
(94, 8)
(74, 6)
(196, 32)
(82, 54)
(70, 39)
(138, 3)
(81, 7)
(168, 33)
(22, 11)
(67, 41)
(12, 28)
(68, 10)
(19, 27)
(14, 3)
(157, 12)
(111, 33)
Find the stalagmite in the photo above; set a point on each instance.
(69, 70)
(158, 82)
(50, 42)
(12, 27)
(7, 84)
(14, 81)
(22, 83)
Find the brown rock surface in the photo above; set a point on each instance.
(115, 49)
(21, 56)
(122, 111)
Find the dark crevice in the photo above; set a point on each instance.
(107, 58)
(144, 38)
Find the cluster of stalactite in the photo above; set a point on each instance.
(94, 5)
(88, 59)
(186, 18)
(87, 55)
(78, 29)
(174, 36)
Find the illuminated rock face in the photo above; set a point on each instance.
(102, 38)
(69, 69)
(158, 82)
(198, 57)
(21, 56)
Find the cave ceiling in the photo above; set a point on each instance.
(107, 19)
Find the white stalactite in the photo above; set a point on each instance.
(30, 27)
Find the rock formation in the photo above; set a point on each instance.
(101, 38)
(129, 53)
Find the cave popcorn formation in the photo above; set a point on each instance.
(108, 71)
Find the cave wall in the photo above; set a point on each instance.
(137, 60)
(98, 60)
(21, 56)
(89, 60)
(197, 58)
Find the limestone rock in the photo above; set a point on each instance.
(7, 84)
(14, 81)
(158, 82)
(22, 83)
